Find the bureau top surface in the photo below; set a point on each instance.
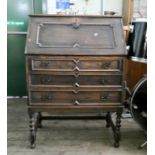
(75, 35)
(57, 15)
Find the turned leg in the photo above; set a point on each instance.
(33, 129)
(117, 129)
(32, 133)
(39, 123)
(108, 120)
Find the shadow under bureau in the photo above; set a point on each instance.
(75, 64)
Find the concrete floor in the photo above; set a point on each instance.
(63, 137)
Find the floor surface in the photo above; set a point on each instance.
(70, 137)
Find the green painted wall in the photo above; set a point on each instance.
(38, 6)
(16, 66)
(17, 12)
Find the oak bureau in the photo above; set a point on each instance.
(75, 64)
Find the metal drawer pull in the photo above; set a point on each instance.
(104, 98)
(45, 80)
(105, 81)
(46, 97)
(44, 64)
(106, 65)
(76, 102)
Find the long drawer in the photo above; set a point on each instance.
(71, 98)
(75, 64)
(82, 80)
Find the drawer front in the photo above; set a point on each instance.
(43, 64)
(82, 80)
(76, 64)
(71, 98)
(100, 64)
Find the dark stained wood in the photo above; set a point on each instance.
(73, 108)
(75, 64)
(82, 80)
(83, 63)
(69, 98)
(52, 34)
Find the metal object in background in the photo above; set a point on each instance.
(138, 41)
(18, 11)
(138, 102)
(138, 105)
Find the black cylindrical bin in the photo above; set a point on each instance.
(137, 40)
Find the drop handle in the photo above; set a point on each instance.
(47, 97)
(44, 64)
(104, 98)
(105, 81)
(76, 102)
(106, 65)
(45, 80)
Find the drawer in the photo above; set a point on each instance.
(76, 64)
(71, 98)
(103, 65)
(82, 80)
(53, 64)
